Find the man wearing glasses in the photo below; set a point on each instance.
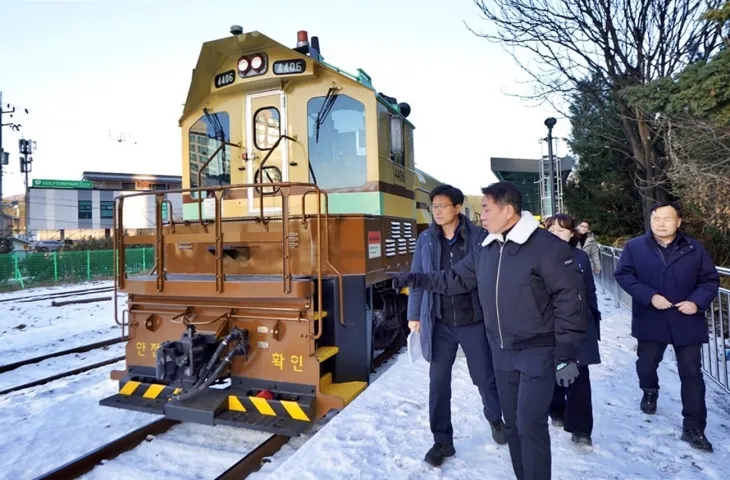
(445, 322)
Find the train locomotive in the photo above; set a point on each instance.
(269, 298)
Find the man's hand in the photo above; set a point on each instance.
(414, 325)
(597, 271)
(660, 302)
(566, 373)
(403, 279)
(687, 307)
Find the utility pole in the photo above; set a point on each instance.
(2, 152)
(3, 155)
(550, 123)
(26, 165)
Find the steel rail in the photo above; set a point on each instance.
(61, 375)
(51, 296)
(81, 349)
(85, 463)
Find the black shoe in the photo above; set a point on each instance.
(438, 452)
(648, 401)
(498, 434)
(696, 438)
(558, 421)
(580, 439)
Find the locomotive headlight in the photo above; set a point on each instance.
(257, 62)
(243, 65)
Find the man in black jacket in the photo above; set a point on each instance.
(533, 297)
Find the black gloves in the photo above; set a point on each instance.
(414, 280)
(566, 373)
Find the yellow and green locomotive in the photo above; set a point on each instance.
(270, 297)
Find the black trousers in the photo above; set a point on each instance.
(525, 381)
(574, 404)
(689, 364)
(445, 343)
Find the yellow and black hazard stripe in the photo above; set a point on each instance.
(133, 388)
(302, 409)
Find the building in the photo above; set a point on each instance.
(8, 224)
(531, 178)
(76, 209)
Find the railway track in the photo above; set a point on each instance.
(247, 465)
(84, 348)
(61, 375)
(52, 296)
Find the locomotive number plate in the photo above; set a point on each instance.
(289, 67)
(225, 78)
(399, 175)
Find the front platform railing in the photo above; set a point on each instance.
(160, 238)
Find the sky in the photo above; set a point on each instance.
(91, 71)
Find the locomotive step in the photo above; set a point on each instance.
(347, 391)
(323, 353)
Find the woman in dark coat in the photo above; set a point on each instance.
(572, 406)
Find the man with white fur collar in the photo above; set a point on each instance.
(533, 297)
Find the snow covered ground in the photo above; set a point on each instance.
(60, 421)
(31, 329)
(186, 451)
(384, 433)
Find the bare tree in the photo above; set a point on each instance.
(700, 170)
(624, 43)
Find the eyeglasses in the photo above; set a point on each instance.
(438, 208)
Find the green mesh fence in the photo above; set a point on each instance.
(35, 269)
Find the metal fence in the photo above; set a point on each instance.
(716, 353)
(48, 268)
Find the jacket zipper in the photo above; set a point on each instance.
(451, 262)
(496, 296)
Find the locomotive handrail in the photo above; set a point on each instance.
(284, 192)
(261, 169)
(329, 264)
(200, 177)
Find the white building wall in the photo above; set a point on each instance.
(56, 209)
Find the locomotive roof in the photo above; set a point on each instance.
(213, 53)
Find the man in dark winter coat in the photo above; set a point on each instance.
(533, 297)
(445, 322)
(672, 281)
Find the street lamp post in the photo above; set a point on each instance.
(550, 123)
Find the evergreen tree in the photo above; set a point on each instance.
(602, 189)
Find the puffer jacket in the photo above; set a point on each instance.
(591, 247)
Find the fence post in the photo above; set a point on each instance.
(144, 259)
(616, 286)
(55, 266)
(88, 264)
(17, 272)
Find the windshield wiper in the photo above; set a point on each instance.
(329, 101)
(220, 135)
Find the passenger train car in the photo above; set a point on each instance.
(270, 298)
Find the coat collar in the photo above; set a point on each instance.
(519, 234)
(466, 228)
(679, 241)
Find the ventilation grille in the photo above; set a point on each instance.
(400, 239)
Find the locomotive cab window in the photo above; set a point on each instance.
(267, 127)
(205, 136)
(396, 140)
(336, 138)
